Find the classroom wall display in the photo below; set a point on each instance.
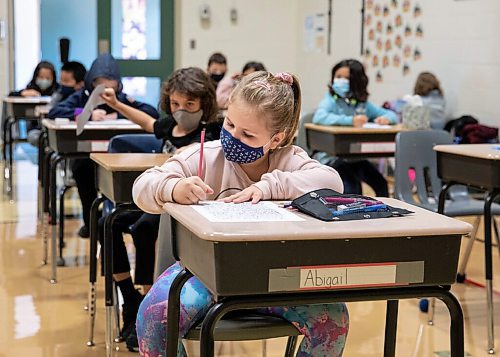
(392, 35)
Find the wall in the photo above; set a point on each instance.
(27, 40)
(79, 24)
(265, 32)
(4, 50)
(460, 45)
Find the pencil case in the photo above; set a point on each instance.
(330, 205)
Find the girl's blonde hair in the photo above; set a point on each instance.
(276, 96)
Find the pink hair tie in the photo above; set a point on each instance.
(284, 77)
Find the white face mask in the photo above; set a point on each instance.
(187, 120)
(42, 83)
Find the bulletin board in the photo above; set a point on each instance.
(392, 36)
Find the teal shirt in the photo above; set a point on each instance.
(333, 111)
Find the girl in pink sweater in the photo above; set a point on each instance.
(253, 161)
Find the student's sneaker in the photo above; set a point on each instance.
(84, 232)
(131, 341)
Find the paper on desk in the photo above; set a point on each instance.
(376, 126)
(244, 212)
(93, 101)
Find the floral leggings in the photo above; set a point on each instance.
(324, 326)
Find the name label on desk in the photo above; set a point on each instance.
(329, 277)
(347, 276)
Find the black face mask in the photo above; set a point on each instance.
(217, 77)
(66, 91)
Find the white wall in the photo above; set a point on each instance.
(4, 50)
(265, 32)
(27, 40)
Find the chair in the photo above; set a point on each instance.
(414, 152)
(301, 139)
(236, 326)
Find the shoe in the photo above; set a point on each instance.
(131, 340)
(84, 232)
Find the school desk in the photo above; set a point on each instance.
(250, 265)
(13, 109)
(351, 142)
(475, 165)
(63, 143)
(116, 174)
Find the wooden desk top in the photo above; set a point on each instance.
(330, 129)
(58, 124)
(481, 151)
(27, 100)
(421, 223)
(129, 161)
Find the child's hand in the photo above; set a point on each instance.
(109, 97)
(98, 114)
(250, 193)
(191, 190)
(382, 121)
(30, 93)
(359, 120)
(111, 116)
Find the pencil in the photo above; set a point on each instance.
(202, 141)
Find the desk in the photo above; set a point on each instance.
(476, 165)
(116, 174)
(15, 108)
(350, 142)
(220, 255)
(63, 143)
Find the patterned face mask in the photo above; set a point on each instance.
(238, 152)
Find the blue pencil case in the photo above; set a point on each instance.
(330, 205)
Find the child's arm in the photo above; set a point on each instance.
(139, 117)
(66, 108)
(374, 112)
(175, 181)
(300, 174)
(326, 114)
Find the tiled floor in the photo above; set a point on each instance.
(39, 319)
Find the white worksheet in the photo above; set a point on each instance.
(244, 212)
(93, 101)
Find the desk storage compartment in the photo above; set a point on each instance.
(242, 268)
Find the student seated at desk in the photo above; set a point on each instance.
(253, 161)
(187, 106)
(428, 87)
(43, 82)
(104, 70)
(346, 103)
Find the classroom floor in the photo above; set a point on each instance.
(39, 319)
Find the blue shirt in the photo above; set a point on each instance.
(333, 111)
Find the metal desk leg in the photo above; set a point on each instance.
(173, 310)
(46, 204)
(108, 271)
(391, 327)
(41, 172)
(7, 146)
(56, 159)
(456, 324)
(10, 123)
(93, 266)
(62, 192)
(488, 268)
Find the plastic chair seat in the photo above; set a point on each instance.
(247, 327)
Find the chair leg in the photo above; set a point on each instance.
(117, 313)
(495, 229)
(264, 348)
(290, 346)
(62, 193)
(430, 312)
(468, 250)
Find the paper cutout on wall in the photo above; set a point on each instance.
(393, 30)
(406, 69)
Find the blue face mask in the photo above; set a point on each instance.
(42, 83)
(341, 86)
(238, 152)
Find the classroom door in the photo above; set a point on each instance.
(140, 35)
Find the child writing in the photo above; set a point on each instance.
(104, 70)
(346, 103)
(187, 106)
(253, 161)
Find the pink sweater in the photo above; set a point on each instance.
(291, 173)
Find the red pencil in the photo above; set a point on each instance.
(202, 141)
